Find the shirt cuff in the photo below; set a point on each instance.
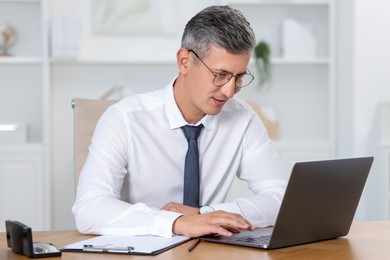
(226, 206)
(163, 222)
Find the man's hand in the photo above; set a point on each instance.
(215, 223)
(180, 208)
(193, 224)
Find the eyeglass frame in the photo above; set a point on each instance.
(231, 75)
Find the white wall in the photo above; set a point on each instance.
(364, 82)
(123, 47)
(371, 85)
(372, 63)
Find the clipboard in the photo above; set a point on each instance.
(136, 245)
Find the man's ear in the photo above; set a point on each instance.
(183, 63)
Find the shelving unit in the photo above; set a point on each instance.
(24, 179)
(301, 91)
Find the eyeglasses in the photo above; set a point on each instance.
(222, 78)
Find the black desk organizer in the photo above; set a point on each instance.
(19, 239)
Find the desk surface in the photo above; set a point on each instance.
(366, 240)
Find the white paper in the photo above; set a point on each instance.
(65, 37)
(141, 244)
(299, 41)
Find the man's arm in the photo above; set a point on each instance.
(98, 208)
(193, 224)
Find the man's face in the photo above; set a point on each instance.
(203, 96)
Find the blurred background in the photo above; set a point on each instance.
(327, 93)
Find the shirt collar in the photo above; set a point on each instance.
(175, 117)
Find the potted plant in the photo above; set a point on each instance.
(262, 54)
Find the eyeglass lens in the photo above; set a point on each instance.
(222, 78)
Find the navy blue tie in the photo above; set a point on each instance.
(191, 167)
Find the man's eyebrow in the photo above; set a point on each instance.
(242, 73)
(228, 72)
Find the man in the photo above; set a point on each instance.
(133, 181)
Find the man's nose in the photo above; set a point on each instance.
(229, 89)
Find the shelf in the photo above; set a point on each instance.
(58, 61)
(274, 61)
(27, 147)
(20, 1)
(20, 60)
(283, 61)
(278, 2)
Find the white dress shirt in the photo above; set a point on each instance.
(136, 165)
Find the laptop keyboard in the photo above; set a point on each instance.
(263, 240)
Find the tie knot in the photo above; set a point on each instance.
(192, 132)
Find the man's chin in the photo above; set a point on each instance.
(214, 111)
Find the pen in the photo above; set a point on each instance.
(105, 249)
(192, 247)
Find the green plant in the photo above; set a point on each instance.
(262, 53)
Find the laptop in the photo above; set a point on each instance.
(320, 202)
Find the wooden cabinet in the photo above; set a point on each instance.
(23, 186)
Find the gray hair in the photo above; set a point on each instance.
(222, 26)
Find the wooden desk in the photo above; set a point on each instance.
(366, 240)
